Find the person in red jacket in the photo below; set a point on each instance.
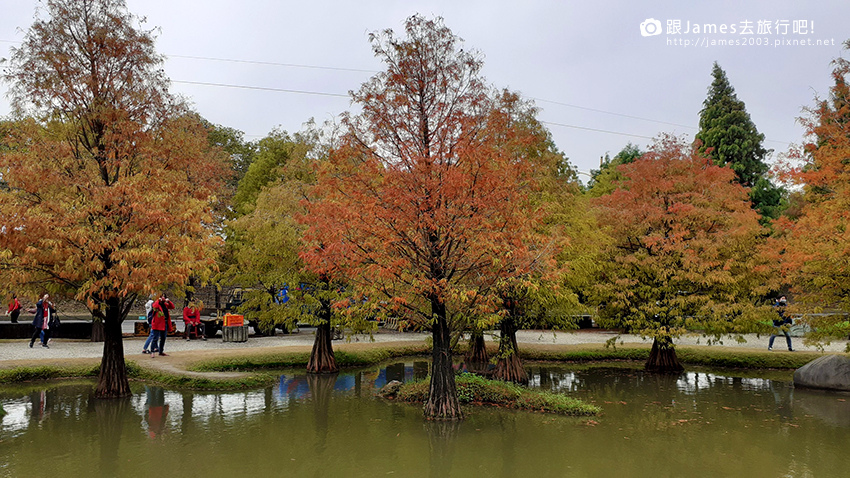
(157, 411)
(161, 322)
(14, 309)
(192, 320)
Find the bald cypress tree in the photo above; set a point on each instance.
(729, 137)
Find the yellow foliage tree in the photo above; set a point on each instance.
(110, 180)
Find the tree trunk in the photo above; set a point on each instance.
(509, 367)
(477, 358)
(217, 295)
(111, 416)
(322, 358)
(97, 332)
(662, 357)
(442, 403)
(190, 291)
(112, 380)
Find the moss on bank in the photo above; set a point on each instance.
(478, 390)
(705, 355)
(191, 382)
(281, 360)
(137, 372)
(46, 372)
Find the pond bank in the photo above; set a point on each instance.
(240, 368)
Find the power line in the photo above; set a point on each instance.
(541, 100)
(596, 130)
(269, 63)
(358, 70)
(282, 90)
(261, 88)
(611, 113)
(631, 117)
(254, 62)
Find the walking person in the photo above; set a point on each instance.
(161, 323)
(44, 312)
(14, 309)
(781, 324)
(150, 342)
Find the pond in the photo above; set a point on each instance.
(700, 423)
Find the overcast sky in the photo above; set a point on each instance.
(586, 64)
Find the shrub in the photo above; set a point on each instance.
(475, 389)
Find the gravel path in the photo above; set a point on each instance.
(14, 350)
(18, 350)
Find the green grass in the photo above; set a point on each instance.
(478, 390)
(256, 364)
(706, 356)
(136, 372)
(26, 374)
(188, 382)
(299, 359)
(694, 356)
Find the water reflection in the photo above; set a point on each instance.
(831, 408)
(157, 411)
(315, 425)
(321, 389)
(297, 387)
(110, 416)
(442, 438)
(160, 410)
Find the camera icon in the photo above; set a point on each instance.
(650, 27)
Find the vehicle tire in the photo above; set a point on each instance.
(210, 330)
(259, 331)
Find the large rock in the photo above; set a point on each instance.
(391, 389)
(830, 372)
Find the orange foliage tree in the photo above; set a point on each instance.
(815, 249)
(683, 254)
(110, 181)
(541, 292)
(425, 200)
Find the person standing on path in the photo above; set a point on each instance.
(14, 309)
(44, 312)
(782, 323)
(150, 343)
(161, 323)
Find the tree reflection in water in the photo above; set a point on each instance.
(110, 416)
(321, 390)
(320, 425)
(441, 439)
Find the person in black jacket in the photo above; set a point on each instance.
(782, 323)
(44, 315)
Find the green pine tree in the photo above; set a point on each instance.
(604, 180)
(730, 138)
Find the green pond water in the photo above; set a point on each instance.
(700, 423)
